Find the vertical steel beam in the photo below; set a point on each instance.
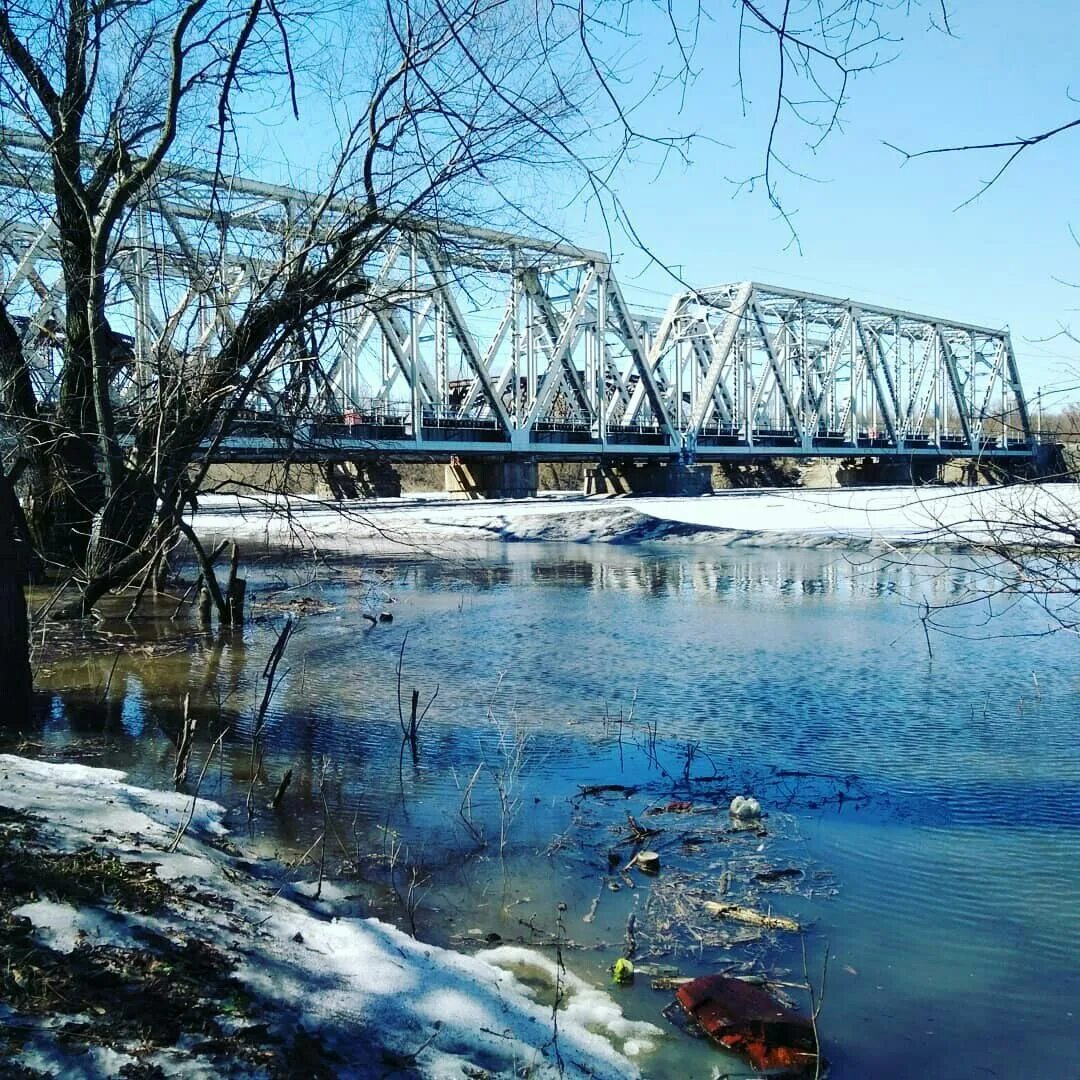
(601, 404)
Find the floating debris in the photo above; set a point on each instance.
(603, 789)
(646, 861)
(680, 806)
(638, 833)
(778, 874)
(750, 917)
(745, 809)
(293, 605)
(744, 1017)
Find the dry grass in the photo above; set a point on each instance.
(159, 991)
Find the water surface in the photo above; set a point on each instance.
(930, 802)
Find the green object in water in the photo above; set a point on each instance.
(623, 970)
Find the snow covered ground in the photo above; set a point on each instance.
(777, 517)
(373, 997)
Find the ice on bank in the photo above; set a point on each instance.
(763, 517)
(371, 994)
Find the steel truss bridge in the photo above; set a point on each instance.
(471, 342)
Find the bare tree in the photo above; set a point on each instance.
(1021, 544)
(15, 680)
(129, 124)
(107, 89)
(1005, 152)
(996, 551)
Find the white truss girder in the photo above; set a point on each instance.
(529, 339)
(814, 371)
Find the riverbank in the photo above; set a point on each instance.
(876, 518)
(137, 941)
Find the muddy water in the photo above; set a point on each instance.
(923, 812)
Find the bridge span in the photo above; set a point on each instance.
(730, 374)
(468, 344)
(740, 370)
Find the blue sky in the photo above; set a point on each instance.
(870, 226)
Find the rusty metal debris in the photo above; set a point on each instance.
(745, 1018)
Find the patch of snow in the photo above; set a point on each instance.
(584, 1005)
(372, 994)
(328, 892)
(49, 1057)
(87, 799)
(63, 928)
(773, 517)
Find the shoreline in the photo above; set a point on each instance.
(867, 519)
(280, 979)
(404, 1050)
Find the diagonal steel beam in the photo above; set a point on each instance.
(1019, 401)
(647, 362)
(957, 387)
(463, 335)
(915, 415)
(991, 384)
(562, 337)
(397, 336)
(720, 357)
(778, 375)
(561, 361)
(832, 367)
(721, 399)
(880, 385)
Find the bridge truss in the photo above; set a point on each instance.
(468, 341)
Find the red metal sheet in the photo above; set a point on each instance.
(746, 1018)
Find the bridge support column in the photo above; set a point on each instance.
(604, 479)
(512, 479)
(652, 478)
(900, 471)
(363, 480)
(969, 472)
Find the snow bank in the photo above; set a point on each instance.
(584, 1005)
(373, 995)
(763, 517)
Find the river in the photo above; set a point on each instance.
(922, 798)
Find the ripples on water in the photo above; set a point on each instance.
(955, 931)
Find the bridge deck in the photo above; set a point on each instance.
(266, 441)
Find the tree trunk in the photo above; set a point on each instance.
(75, 489)
(15, 678)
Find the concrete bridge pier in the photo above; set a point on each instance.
(899, 471)
(970, 473)
(375, 479)
(651, 478)
(910, 470)
(505, 479)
